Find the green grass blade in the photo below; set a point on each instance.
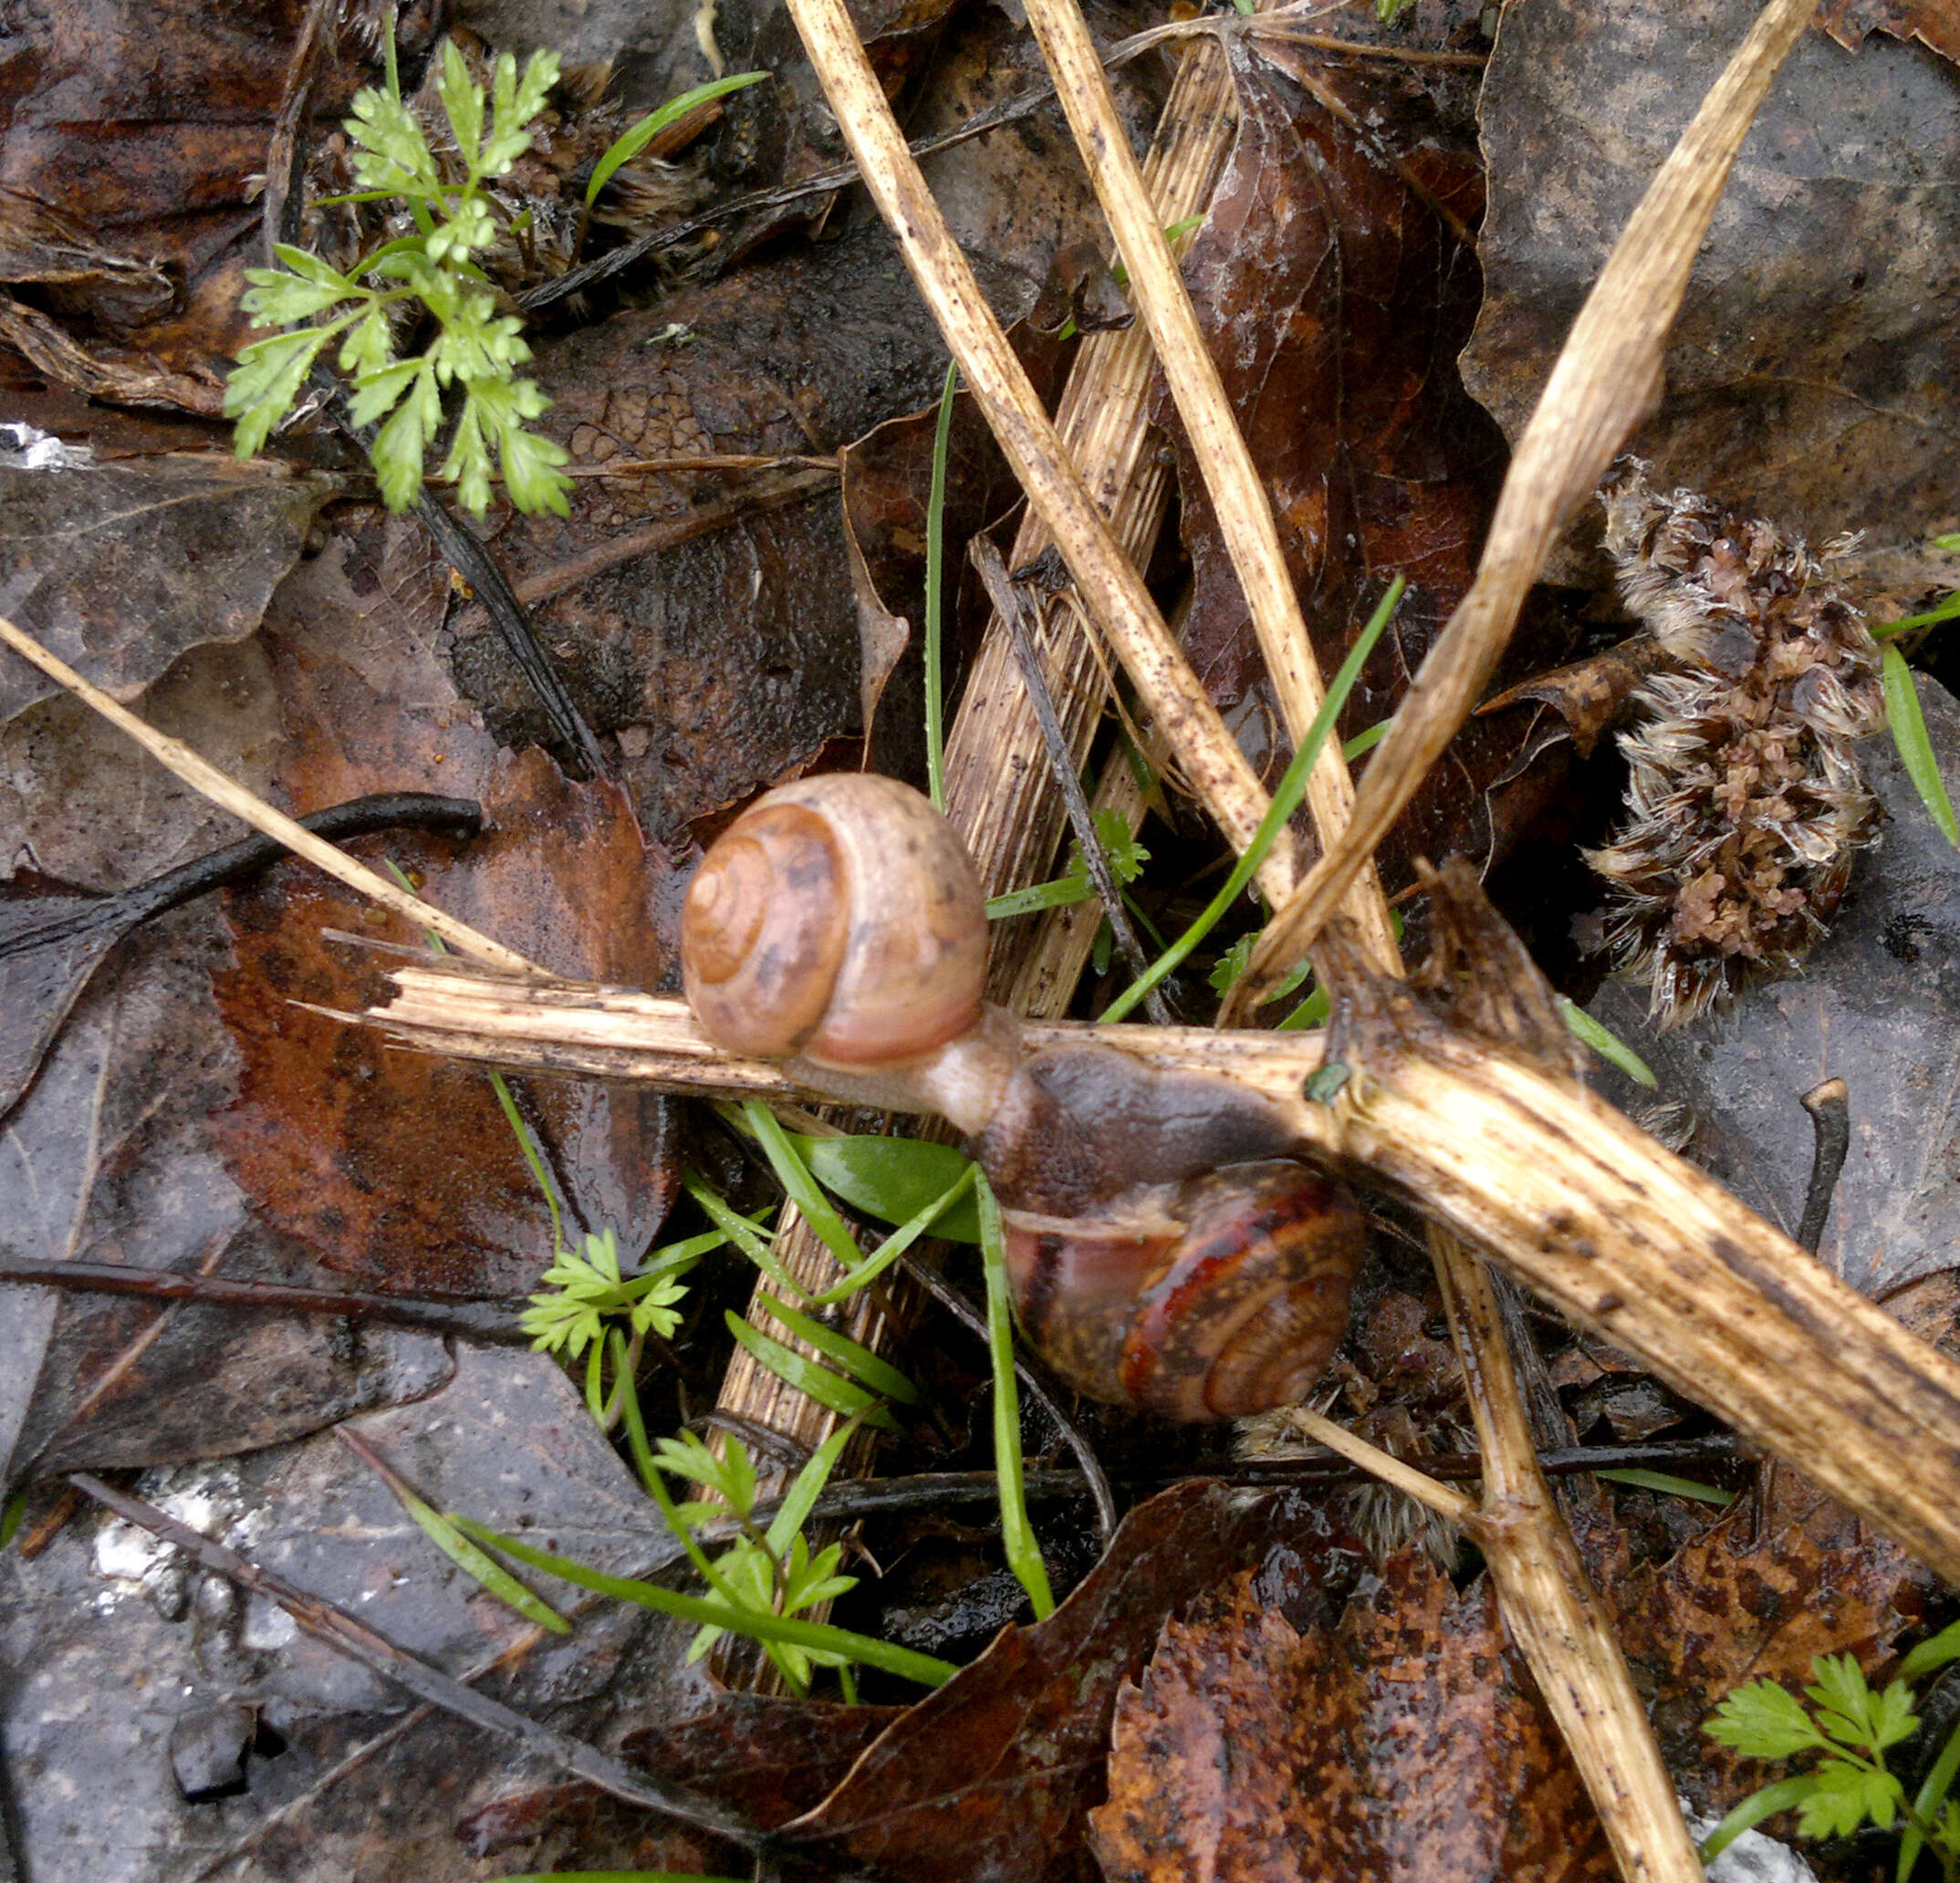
(904, 1236)
(1607, 1043)
(1915, 748)
(863, 1365)
(1784, 1796)
(827, 1389)
(866, 1651)
(1286, 800)
(1671, 1486)
(631, 142)
(1931, 1655)
(935, 585)
(804, 1190)
(1017, 1533)
(1933, 1791)
(1057, 892)
(1947, 609)
(494, 1578)
(803, 1494)
(741, 1232)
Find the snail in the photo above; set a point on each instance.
(1167, 1249)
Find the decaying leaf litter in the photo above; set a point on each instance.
(318, 710)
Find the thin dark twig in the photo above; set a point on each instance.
(359, 817)
(476, 565)
(493, 1321)
(1093, 1479)
(1831, 1118)
(347, 1636)
(1319, 1471)
(1010, 606)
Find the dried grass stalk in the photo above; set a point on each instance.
(1107, 580)
(1607, 377)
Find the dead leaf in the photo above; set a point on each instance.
(1406, 1742)
(141, 131)
(988, 1776)
(400, 1169)
(886, 480)
(1727, 1610)
(112, 1641)
(1849, 21)
(1811, 371)
(119, 571)
(1334, 297)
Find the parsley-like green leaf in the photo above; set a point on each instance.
(1845, 1796)
(1764, 1720)
(403, 444)
(269, 374)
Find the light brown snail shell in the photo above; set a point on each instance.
(1216, 1298)
(838, 920)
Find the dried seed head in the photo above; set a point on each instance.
(1746, 800)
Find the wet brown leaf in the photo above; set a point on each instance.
(887, 487)
(1334, 296)
(988, 1776)
(1811, 372)
(145, 1060)
(1590, 695)
(1406, 1742)
(1728, 1610)
(118, 570)
(1849, 21)
(133, 137)
(112, 1640)
(400, 1169)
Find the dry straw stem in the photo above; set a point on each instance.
(204, 776)
(1561, 1191)
(1552, 1609)
(1239, 500)
(1107, 579)
(1000, 795)
(1606, 378)
(1548, 1599)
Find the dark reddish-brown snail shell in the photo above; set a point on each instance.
(1216, 1298)
(1165, 1251)
(838, 920)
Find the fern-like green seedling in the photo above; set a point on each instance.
(476, 348)
(1127, 857)
(1847, 1727)
(582, 1289)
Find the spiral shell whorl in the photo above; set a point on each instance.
(1231, 1303)
(837, 918)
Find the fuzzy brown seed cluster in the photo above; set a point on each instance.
(1746, 801)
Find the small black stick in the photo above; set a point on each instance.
(359, 817)
(1008, 605)
(475, 564)
(1830, 1116)
(493, 1321)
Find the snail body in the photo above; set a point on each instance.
(1165, 1251)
